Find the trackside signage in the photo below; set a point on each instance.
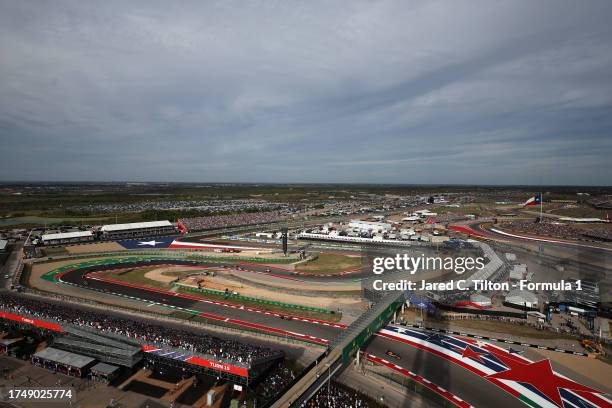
(34, 322)
(195, 360)
(227, 368)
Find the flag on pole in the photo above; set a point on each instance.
(537, 199)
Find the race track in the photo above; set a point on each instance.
(449, 374)
(234, 316)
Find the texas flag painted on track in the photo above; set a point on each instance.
(537, 199)
(147, 243)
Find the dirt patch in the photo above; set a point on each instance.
(54, 251)
(137, 277)
(215, 283)
(98, 247)
(167, 274)
(243, 288)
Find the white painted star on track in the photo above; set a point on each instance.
(149, 243)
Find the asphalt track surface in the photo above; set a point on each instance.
(78, 277)
(468, 386)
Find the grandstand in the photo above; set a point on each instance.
(136, 230)
(61, 361)
(125, 342)
(106, 347)
(67, 238)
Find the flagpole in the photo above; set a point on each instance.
(541, 200)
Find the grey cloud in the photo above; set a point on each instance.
(390, 92)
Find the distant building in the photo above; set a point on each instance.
(370, 226)
(438, 238)
(522, 299)
(3, 245)
(67, 238)
(518, 272)
(411, 218)
(63, 362)
(137, 229)
(424, 213)
(104, 373)
(480, 300)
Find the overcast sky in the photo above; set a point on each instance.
(516, 92)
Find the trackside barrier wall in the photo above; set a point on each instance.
(265, 301)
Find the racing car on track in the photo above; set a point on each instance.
(392, 354)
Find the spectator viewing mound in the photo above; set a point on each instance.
(557, 229)
(221, 221)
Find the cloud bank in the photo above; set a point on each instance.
(254, 91)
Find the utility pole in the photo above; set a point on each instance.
(541, 200)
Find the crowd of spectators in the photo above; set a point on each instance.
(336, 396)
(548, 229)
(472, 316)
(145, 332)
(600, 234)
(274, 382)
(209, 206)
(557, 230)
(220, 221)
